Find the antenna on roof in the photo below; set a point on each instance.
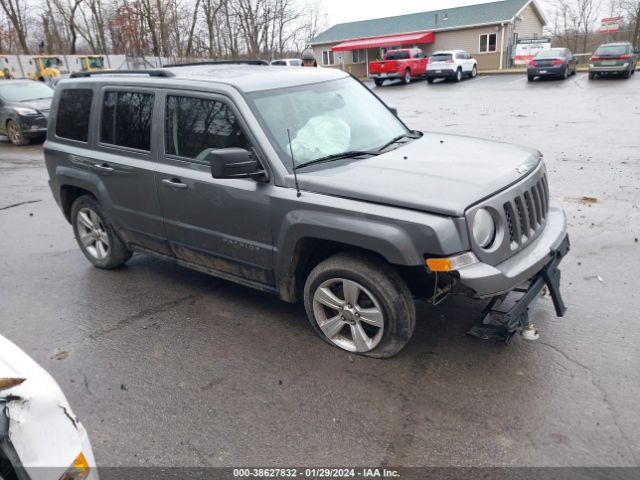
(293, 163)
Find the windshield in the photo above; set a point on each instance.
(325, 119)
(51, 62)
(554, 53)
(612, 50)
(400, 55)
(24, 91)
(96, 62)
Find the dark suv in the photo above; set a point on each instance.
(305, 184)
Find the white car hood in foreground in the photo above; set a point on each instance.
(43, 430)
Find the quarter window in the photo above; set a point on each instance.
(126, 119)
(193, 125)
(327, 57)
(74, 111)
(488, 42)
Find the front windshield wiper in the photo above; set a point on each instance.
(32, 99)
(337, 156)
(412, 134)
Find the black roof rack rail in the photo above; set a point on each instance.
(218, 62)
(151, 73)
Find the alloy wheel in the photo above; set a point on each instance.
(93, 234)
(349, 315)
(14, 133)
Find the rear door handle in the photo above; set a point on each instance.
(174, 183)
(104, 167)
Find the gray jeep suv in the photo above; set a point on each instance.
(305, 184)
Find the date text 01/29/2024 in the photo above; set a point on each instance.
(315, 473)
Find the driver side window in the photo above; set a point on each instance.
(193, 125)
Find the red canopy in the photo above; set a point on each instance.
(386, 41)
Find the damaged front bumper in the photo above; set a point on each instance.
(39, 434)
(500, 325)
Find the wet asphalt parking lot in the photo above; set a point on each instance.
(167, 366)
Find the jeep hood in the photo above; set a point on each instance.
(437, 173)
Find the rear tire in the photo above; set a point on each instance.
(96, 236)
(378, 82)
(565, 75)
(430, 80)
(346, 288)
(592, 76)
(407, 77)
(626, 74)
(530, 78)
(458, 76)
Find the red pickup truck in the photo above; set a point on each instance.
(404, 64)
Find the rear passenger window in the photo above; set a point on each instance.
(193, 125)
(74, 110)
(126, 119)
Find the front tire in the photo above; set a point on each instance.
(359, 303)
(15, 134)
(96, 236)
(474, 72)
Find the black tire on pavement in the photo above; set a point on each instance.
(458, 76)
(378, 82)
(530, 78)
(384, 283)
(430, 80)
(407, 77)
(474, 72)
(118, 253)
(15, 134)
(592, 75)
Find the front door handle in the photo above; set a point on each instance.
(174, 183)
(103, 167)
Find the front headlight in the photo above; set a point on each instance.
(484, 228)
(26, 111)
(79, 469)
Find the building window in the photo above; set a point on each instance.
(515, 38)
(488, 42)
(74, 111)
(359, 56)
(327, 57)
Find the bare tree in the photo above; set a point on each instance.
(15, 11)
(574, 22)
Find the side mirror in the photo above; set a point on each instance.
(394, 110)
(230, 163)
